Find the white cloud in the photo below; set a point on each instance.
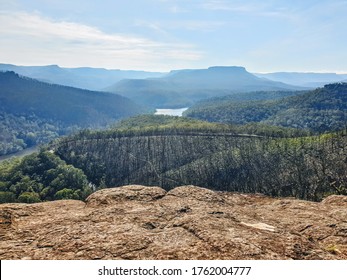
(31, 38)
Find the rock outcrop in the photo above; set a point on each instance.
(188, 222)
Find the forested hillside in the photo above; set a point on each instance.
(320, 110)
(171, 151)
(211, 156)
(33, 112)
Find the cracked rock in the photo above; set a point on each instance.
(188, 222)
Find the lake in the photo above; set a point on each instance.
(170, 112)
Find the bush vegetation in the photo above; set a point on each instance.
(40, 177)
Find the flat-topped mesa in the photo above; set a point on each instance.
(234, 69)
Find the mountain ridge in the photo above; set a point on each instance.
(183, 88)
(305, 79)
(80, 77)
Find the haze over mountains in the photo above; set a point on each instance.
(183, 88)
(83, 77)
(179, 88)
(100, 78)
(309, 79)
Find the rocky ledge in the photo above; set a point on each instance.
(188, 222)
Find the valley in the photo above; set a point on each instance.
(173, 130)
(94, 140)
(67, 147)
(33, 112)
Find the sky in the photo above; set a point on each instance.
(162, 35)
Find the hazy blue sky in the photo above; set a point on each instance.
(263, 36)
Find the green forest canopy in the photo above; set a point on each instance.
(320, 110)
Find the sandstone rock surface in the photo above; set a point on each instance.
(188, 222)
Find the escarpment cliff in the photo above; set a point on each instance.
(188, 222)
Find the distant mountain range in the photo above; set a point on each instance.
(85, 77)
(179, 88)
(304, 79)
(100, 78)
(184, 87)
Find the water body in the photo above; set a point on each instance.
(21, 153)
(170, 112)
